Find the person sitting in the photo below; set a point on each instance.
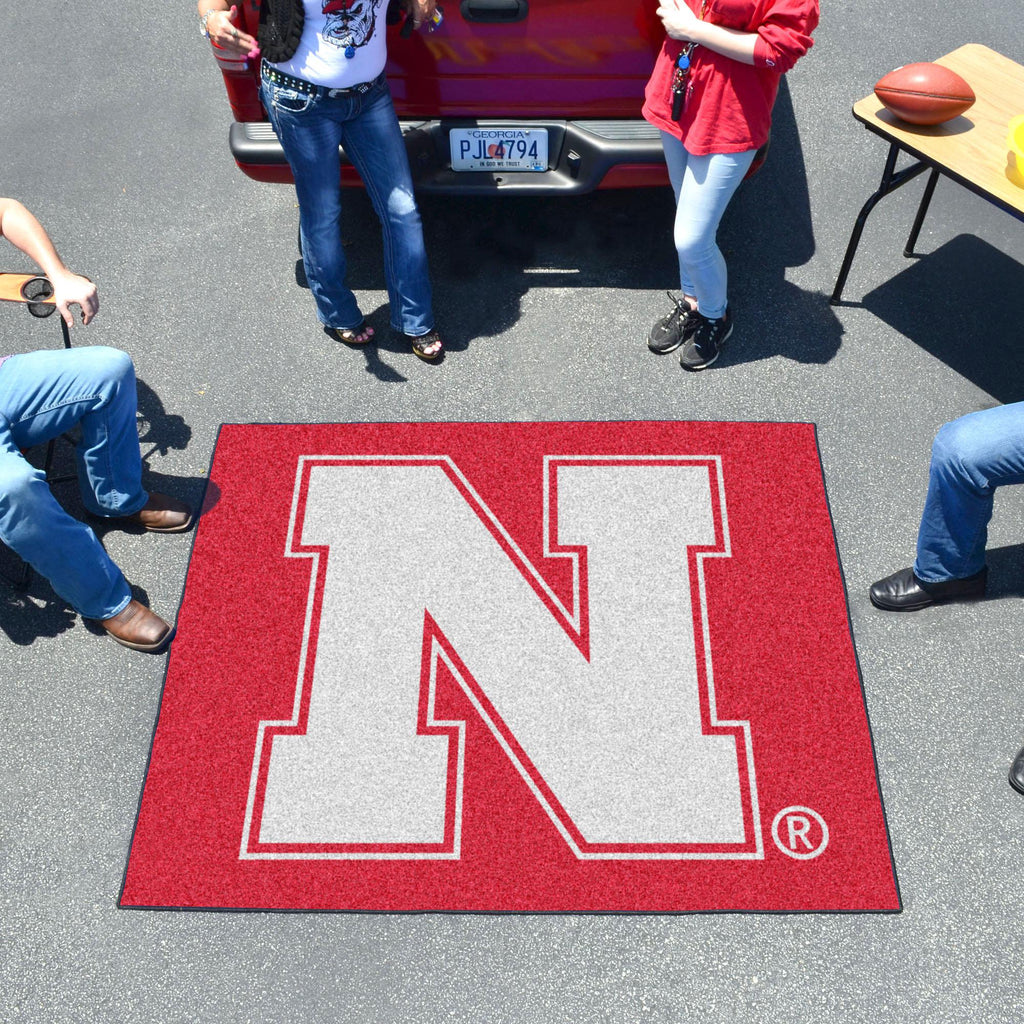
(971, 458)
(44, 394)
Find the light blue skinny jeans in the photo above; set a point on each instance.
(43, 395)
(703, 186)
(310, 128)
(971, 457)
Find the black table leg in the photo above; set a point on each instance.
(891, 180)
(929, 191)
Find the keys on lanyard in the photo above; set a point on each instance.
(682, 70)
(679, 76)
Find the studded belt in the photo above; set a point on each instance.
(271, 74)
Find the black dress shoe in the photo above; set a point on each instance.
(1017, 771)
(904, 592)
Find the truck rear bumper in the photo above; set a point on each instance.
(582, 156)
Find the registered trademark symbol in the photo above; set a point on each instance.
(800, 833)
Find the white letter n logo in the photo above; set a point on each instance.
(603, 702)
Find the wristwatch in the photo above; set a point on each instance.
(204, 19)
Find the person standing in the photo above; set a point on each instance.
(44, 394)
(711, 94)
(322, 84)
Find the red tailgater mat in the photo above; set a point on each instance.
(514, 667)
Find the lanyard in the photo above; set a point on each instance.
(682, 71)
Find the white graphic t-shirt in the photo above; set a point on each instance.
(342, 43)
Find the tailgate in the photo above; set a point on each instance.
(528, 58)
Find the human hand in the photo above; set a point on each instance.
(74, 290)
(224, 33)
(421, 11)
(679, 21)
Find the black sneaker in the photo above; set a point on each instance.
(702, 348)
(672, 330)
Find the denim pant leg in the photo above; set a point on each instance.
(971, 457)
(310, 130)
(45, 393)
(703, 186)
(373, 141)
(42, 394)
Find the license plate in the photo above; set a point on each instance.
(499, 149)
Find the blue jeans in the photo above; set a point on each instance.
(310, 128)
(971, 457)
(703, 186)
(42, 395)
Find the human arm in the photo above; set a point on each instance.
(681, 23)
(778, 41)
(222, 25)
(420, 11)
(24, 232)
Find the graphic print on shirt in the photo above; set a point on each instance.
(350, 23)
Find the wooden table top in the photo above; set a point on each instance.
(11, 285)
(973, 146)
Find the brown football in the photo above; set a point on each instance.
(924, 93)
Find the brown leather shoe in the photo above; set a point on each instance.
(138, 628)
(162, 514)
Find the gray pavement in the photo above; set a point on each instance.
(114, 131)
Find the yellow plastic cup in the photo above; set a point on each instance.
(1015, 157)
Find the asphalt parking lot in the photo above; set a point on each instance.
(114, 132)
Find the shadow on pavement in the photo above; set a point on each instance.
(26, 616)
(766, 230)
(964, 304)
(161, 429)
(1005, 570)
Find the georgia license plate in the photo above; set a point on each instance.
(499, 149)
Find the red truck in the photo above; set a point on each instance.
(517, 96)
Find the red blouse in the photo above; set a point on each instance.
(728, 106)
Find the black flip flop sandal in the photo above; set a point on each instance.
(350, 335)
(422, 342)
